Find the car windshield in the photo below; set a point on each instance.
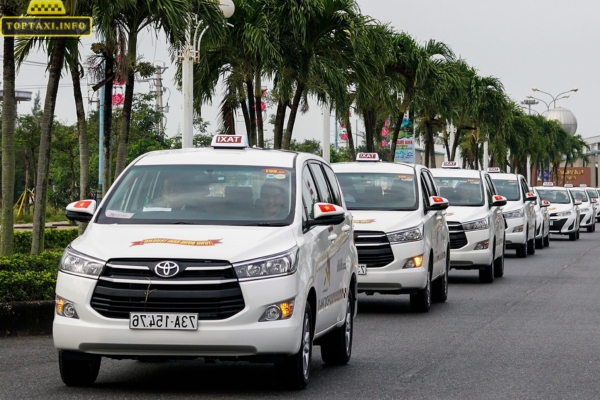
(592, 193)
(579, 195)
(376, 191)
(554, 196)
(508, 188)
(202, 195)
(461, 191)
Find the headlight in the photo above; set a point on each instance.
(407, 235)
(475, 225)
(268, 267)
(563, 214)
(514, 214)
(584, 210)
(79, 264)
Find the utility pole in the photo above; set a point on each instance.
(159, 93)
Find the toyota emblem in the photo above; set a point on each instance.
(166, 269)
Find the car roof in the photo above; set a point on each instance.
(504, 176)
(456, 173)
(381, 167)
(210, 156)
(550, 188)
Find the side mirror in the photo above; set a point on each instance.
(577, 202)
(81, 211)
(437, 203)
(326, 214)
(594, 200)
(499, 201)
(529, 196)
(545, 203)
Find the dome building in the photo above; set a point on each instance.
(565, 118)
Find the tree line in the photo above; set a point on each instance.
(324, 50)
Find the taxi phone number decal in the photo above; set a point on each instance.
(210, 242)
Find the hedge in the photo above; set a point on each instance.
(54, 239)
(28, 278)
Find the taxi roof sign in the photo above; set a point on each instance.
(46, 7)
(367, 157)
(494, 169)
(548, 184)
(229, 141)
(450, 164)
(583, 185)
(569, 185)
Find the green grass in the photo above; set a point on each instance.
(52, 215)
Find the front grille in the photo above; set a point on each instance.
(581, 217)
(209, 288)
(458, 238)
(557, 225)
(374, 249)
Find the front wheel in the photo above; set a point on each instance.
(590, 228)
(547, 241)
(294, 372)
(421, 301)
(531, 246)
(499, 266)
(487, 274)
(522, 250)
(336, 347)
(440, 285)
(78, 369)
(573, 236)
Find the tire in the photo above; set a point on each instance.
(78, 369)
(578, 234)
(522, 250)
(440, 285)
(539, 243)
(547, 241)
(573, 236)
(531, 246)
(421, 301)
(487, 274)
(499, 265)
(294, 372)
(590, 229)
(336, 347)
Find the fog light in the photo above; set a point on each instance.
(65, 308)
(274, 312)
(415, 262)
(518, 229)
(482, 245)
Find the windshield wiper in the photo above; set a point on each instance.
(268, 224)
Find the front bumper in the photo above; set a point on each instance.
(240, 335)
(587, 219)
(469, 258)
(392, 277)
(563, 225)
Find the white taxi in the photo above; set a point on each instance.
(587, 218)
(593, 195)
(226, 252)
(564, 214)
(475, 220)
(519, 212)
(542, 221)
(400, 229)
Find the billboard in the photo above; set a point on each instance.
(405, 145)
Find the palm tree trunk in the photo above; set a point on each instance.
(252, 111)
(369, 119)
(84, 151)
(108, 93)
(455, 144)
(41, 187)
(258, 102)
(287, 137)
(431, 140)
(9, 111)
(350, 138)
(395, 135)
(127, 104)
(279, 121)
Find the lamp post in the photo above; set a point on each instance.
(554, 98)
(189, 54)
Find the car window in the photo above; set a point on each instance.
(554, 196)
(333, 185)
(461, 191)
(508, 188)
(310, 195)
(430, 182)
(488, 190)
(379, 191)
(325, 195)
(202, 195)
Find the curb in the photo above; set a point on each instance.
(26, 318)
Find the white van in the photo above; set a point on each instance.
(226, 252)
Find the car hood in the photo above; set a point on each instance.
(385, 221)
(512, 205)
(229, 243)
(555, 207)
(466, 214)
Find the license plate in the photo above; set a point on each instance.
(177, 322)
(362, 269)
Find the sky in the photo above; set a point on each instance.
(548, 44)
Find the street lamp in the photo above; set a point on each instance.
(188, 55)
(554, 98)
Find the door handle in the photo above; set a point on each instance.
(332, 237)
(345, 228)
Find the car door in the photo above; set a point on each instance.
(432, 222)
(496, 215)
(529, 208)
(330, 283)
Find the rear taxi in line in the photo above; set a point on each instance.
(475, 220)
(542, 221)
(587, 218)
(519, 212)
(594, 197)
(564, 213)
(400, 229)
(227, 252)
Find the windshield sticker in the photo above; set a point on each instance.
(117, 214)
(270, 176)
(473, 180)
(146, 209)
(274, 171)
(210, 242)
(280, 176)
(405, 177)
(364, 221)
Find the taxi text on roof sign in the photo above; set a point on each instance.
(47, 19)
(230, 141)
(493, 169)
(548, 184)
(583, 185)
(450, 164)
(569, 185)
(367, 157)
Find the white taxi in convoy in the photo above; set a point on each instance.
(564, 214)
(226, 252)
(474, 219)
(519, 212)
(587, 218)
(400, 229)
(542, 221)
(595, 196)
